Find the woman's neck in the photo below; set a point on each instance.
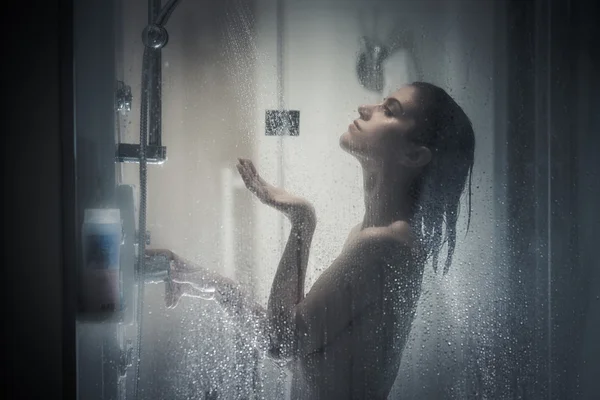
(387, 198)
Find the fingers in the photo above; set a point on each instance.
(248, 180)
(255, 174)
(251, 165)
(243, 168)
(248, 165)
(250, 177)
(243, 173)
(253, 181)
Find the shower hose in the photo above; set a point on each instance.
(142, 216)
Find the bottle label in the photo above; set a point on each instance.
(102, 252)
(100, 276)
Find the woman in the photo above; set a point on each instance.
(346, 336)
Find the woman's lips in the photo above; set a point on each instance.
(356, 124)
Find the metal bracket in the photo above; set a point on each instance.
(130, 153)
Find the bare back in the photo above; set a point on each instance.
(361, 361)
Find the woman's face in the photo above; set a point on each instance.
(382, 130)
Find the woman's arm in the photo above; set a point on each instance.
(296, 325)
(194, 280)
(287, 290)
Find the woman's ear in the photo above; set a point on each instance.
(417, 157)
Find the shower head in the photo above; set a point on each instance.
(368, 68)
(376, 57)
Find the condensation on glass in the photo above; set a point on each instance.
(169, 95)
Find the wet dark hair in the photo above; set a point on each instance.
(447, 132)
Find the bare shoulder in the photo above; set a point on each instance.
(393, 242)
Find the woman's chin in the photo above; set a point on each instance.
(349, 147)
(345, 142)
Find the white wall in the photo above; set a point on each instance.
(207, 111)
(208, 106)
(455, 47)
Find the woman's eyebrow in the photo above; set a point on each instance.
(395, 102)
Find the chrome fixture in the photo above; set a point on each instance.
(124, 97)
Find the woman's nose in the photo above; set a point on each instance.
(363, 111)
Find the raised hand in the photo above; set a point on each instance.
(296, 208)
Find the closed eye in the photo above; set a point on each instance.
(393, 107)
